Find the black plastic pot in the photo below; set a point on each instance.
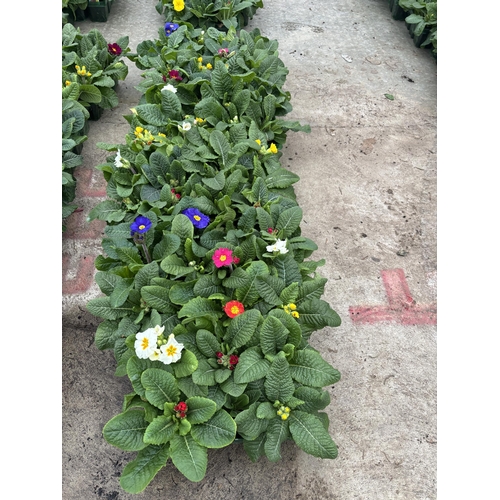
(398, 13)
(420, 39)
(95, 111)
(98, 11)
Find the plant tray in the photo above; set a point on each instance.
(98, 11)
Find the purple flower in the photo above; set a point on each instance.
(198, 219)
(170, 28)
(140, 225)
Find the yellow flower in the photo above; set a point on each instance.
(257, 141)
(200, 59)
(295, 314)
(178, 5)
(273, 148)
(292, 306)
(138, 131)
(209, 66)
(67, 83)
(284, 416)
(161, 135)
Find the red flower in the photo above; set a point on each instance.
(174, 74)
(114, 49)
(181, 406)
(270, 230)
(222, 257)
(219, 354)
(233, 308)
(236, 260)
(233, 360)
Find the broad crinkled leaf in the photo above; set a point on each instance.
(279, 385)
(160, 387)
(189, 457)
(217, 432)
(309, 368)
(126, 430)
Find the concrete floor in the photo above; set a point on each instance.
(368, 191)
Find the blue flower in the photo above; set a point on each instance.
(198, 219)
(140, 225)
(170, 28)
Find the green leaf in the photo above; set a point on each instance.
(199, 307)
(186, 365)
(167, 246)
(266, 410)
(189, 457)
(126, 430)
(200, 409)
(221, 146)
(255, 448)
(175, 266)
(318, 314)
(269, 288)
(207, 343)
(289, 221)
(217, 432)
(160, 430)
(277, 433)
(108, 210)
(389, 96)
(273, 335)
(140, 472)
(160, 387)
(204, 374)
(281, 178)
(182, 227)
(288, 269)
(279, 384)
(171, 106)
(242, 328)
(217, 182)
(247, 294)
(309, 368)
(251, 366)
(249, 425)
(151, 114)
(102, 308)
(157, 297)
(221, 81)
(310, 435)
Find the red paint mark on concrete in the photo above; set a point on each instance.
(402, 307)
(84, 274)
(78, 228)
(89, 183)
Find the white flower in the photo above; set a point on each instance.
(155, 356)
(169, 88)
(118, 160)
(145, 344)
(171, 351)
(159, 329)
(278, 246)
(186, 126)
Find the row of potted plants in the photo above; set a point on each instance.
(91, 67)
(420, 17)
(210, 295)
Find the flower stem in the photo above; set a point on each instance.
(146, 253)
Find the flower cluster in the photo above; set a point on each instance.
(228, 360)
(152, 345)
(181, 409)
(283, 412)
(82, 71)
(291, 309)
(143, 135)
(201, 66)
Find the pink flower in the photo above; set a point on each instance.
(236, 260)
(173, 73)
(223, 257)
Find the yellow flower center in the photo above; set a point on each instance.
(171, 350)
(235, 310)
(144, 343)
(142, 226)
(196, 217)
(223, 258)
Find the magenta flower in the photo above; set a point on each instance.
(223, 257)
(175, 75)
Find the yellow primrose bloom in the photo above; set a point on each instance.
(209, 66)
(161, 135)
(284, 416)
(138, 131)
(200, 59)
(67, 83)
(178, 5)
(292, 306)
(273, 148)
(295, 314)
(257, 141)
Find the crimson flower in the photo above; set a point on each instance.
(174, 74)
(114, 49)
